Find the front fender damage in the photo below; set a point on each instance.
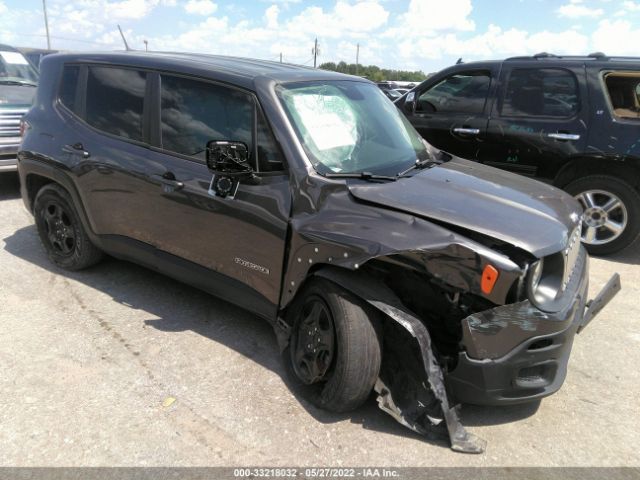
(417, 399)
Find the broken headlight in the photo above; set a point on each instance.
(544, 282)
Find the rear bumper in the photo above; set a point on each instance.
(534, 368)
(9, 147)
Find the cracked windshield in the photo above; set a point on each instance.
(351, 127)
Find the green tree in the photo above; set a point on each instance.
(375, 73)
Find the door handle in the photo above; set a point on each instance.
(466, 131)
(169, 182)
(76, 149)
(564, 136)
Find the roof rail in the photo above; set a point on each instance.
(545, 55)
(592, 56)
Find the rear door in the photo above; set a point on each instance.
(451, 112)
(538, 120)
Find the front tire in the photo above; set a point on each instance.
(334, 351)
(611, 212)
(61, 231)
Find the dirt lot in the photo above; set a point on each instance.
(89, 363)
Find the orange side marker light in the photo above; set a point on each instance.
(489, 278)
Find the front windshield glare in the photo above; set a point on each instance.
(14, 67)
(351, 127)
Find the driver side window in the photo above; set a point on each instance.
(460, 93)
(194, 112)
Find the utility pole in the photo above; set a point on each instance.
(46, 23)
(280, 57)
(146, 45)
(315, 52)
(357, 56)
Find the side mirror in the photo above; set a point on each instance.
(229, 163)
(410, 103)
(227, 158)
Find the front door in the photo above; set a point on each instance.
(242, 237)
(451, 113)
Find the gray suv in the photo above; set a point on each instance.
(18, 80)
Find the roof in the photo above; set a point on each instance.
(236, 70)
(597, 57)
(7, 48)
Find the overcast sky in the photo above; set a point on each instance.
(402, 34)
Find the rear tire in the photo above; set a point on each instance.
(341, 376)
(612, 212)
(61, 231)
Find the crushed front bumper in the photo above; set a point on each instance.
(516, 353)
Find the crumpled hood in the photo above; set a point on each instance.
(523, 212)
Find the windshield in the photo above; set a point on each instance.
(351, 127)
(15, 68)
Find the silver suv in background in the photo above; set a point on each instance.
(18, 80)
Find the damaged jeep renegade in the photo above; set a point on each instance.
(306, 197)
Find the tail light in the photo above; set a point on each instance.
(24, 126)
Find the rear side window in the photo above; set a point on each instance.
(623, 89)
(115, 101)
(459, 93)
(543, 92)
(194, 112)
(69, 86)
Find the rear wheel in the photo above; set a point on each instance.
(334, 351)
(61, 231)
(611, 218)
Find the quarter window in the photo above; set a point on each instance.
(68, 86)
(115, 101)
(194, 112)
(543, 92)
(624, 93)
(459, 93)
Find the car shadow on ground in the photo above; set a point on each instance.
(139, 288)
(9, 186)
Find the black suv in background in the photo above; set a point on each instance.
(570, 121)
(18, 80)
(307, 198)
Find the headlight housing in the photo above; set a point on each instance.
(549, 277)
(544, 282)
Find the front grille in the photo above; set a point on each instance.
(571, 254)
(10, 121)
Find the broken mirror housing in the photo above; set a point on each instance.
(230, 158)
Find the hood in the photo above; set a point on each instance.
(525, 213)
(16, 96)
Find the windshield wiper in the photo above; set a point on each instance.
(427, 162)
(17, 82)
(361, 176)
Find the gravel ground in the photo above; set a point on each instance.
(118, 365)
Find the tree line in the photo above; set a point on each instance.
(373, 72)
